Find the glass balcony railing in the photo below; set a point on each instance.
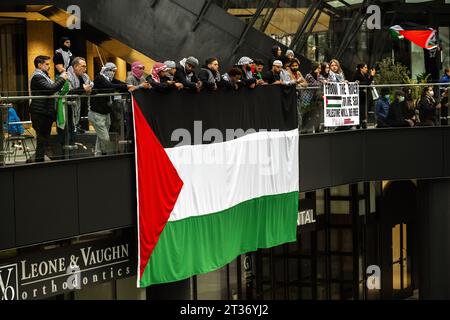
(380, 106)
(81, 133)
(76, 132)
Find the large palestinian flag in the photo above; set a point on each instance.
(217, 176)
(423, 37)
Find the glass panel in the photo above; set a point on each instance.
(405, 257)
(340, 207)
(306, 274)
(343, 190)
(396, 268)
(81, 134)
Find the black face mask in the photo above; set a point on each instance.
(294, 69)
(65, 48)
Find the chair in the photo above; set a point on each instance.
(17, 137)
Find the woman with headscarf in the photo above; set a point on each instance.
(136, 76)
(101, 108)
(63, 57)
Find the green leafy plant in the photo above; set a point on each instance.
(391, 73)
(416, 91)
(397, 73)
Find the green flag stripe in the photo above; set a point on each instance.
(202, 244)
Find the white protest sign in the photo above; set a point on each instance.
(341, 104)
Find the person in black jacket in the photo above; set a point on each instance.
(43, 111)
(185, 74)
(209, 74)
(363, 77)
(248, 80)
(428, 107)
(232, 79)
(161, 78)
(273, 76)
(101, 108)
(396, 116)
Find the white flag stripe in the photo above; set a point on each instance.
(221, 175)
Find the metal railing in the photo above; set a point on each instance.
(75, 137)
(79, 138)
(311, 110)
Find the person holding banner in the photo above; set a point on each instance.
(336, 74)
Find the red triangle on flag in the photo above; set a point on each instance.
(158, 187)
(422, 38)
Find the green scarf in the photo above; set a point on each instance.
(61, 111)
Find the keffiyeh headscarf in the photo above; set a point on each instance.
(43, 74)
(109, 71)
(157, 68)
(137, 69)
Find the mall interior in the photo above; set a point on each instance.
(374, 212)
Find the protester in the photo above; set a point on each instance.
(79, 84)
(444, 107)
(258, 69)
(428, 107)
(288, 58)
(43, 110)
(101, 108)
(295, 74)
(209, 74)
(336, 74)
(169, 75)
(312, 80)
(363, 78)
(247, 76)
(63, 57)
(382, 108)
(324, 72)
(396, 116)
(276, 55)
(273, 76)
(232, 79)
(446, 77)
(136, 76)
(185, 74)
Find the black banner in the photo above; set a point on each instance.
(263, 108)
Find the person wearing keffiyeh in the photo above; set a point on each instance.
(101, 108)
(161, 78)
(43, 110)
(63, 57)
(136, 76)
(78, 84)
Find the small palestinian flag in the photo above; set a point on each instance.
(217, 176)
(333, 101)
(425, 38)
